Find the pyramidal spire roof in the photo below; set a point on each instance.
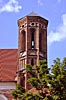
(32, 14)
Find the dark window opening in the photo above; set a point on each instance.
(22, 81)
(32, 39)
(32, 61)
(32, 23)
(23, 44)
(22, 25)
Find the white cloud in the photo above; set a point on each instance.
(0, 0)
(60, 34)
(11, 6)
(59, 1)
(40, 2)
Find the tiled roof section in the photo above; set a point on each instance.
(33, 14)
(8, 64)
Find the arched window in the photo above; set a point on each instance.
(23, 40)
(2, 97)
(32, 38)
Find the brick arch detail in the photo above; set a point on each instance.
(23, 40)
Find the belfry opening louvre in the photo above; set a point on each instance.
(32, 38)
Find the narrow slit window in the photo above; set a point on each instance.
(32, 61)
(32, 39)
(23, 38)
(22, 81)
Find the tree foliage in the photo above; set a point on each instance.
(18, 92)
(58, 81)
(38, 79)
(50, 86)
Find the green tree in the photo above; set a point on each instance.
(50, 86)
(38, 80)
(58, 80)
(18, 92)
(39, 76)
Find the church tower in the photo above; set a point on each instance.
(32, 43)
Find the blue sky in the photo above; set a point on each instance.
(53, 10)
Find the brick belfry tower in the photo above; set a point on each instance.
(32, 43)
